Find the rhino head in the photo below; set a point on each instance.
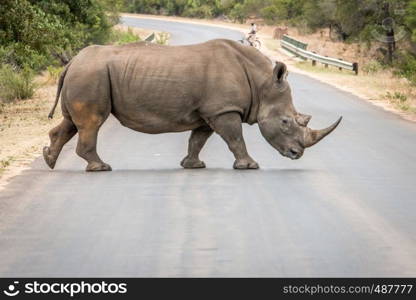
(279, 122)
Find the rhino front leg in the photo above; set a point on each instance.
(197, 140)
(228, 126)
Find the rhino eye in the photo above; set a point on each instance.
(285, 121)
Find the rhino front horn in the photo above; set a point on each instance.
(314, 136)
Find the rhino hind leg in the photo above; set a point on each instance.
(197, 140)
(88, 118)
(59, 136)
(229, 127)
(87, 148)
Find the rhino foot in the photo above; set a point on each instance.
(49, 159)
(245, 164)
(98, 166)
(192, 163)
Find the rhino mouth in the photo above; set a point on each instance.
(293, 153)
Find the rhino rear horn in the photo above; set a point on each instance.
(314, 136)
(302, 119)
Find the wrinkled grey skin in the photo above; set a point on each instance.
(214, 86)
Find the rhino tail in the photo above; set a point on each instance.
(58, 93)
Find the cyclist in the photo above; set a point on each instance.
(252, 34)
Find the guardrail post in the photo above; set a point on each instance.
(326, 65)
(340, 67)
(355, 68)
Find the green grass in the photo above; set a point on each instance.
(400, 101)
(4, 163)
(124, 37)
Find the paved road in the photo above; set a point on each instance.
(347, 208)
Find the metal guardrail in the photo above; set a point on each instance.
(294, 42)
(292, 45)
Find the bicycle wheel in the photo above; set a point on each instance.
(257, 44)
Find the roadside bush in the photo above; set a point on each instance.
(119, 37)
(372, 66)
(16, 84)
(406, 67)
(398, 99)
(162, 38)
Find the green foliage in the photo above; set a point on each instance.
(371, 67)
(16, 84)
(189, 8)
(397, 96)
(406, 67)
(237, 13)
(18, 54)
(398, 99)
(113, 7)
(203, 11)
(317, 13)
(35, 32)
(119, 37)
(54, 73)
(410, 19)
(270, 14)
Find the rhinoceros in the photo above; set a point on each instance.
(209, 87)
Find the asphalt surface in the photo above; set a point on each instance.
(346, 208)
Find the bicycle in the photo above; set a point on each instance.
(251, 40)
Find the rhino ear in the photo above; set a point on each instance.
(279, 72)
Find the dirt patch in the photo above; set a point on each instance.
(24, 127)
